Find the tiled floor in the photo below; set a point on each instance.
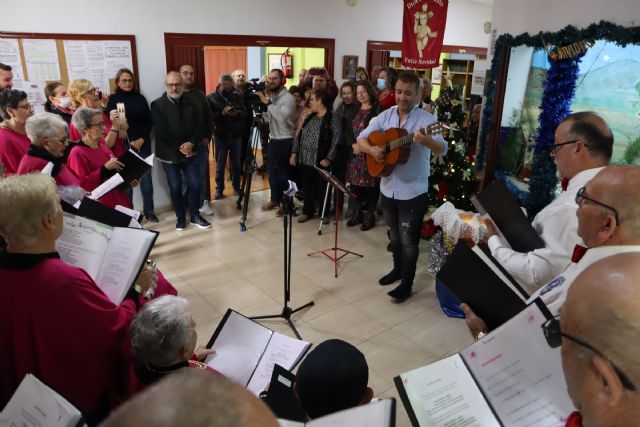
(222, 267)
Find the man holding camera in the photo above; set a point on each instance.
(229, 121)
(281, 113)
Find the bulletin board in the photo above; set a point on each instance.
(39, 58)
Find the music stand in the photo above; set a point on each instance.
(287, 221)
(337, 186)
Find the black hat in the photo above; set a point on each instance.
(332, 377)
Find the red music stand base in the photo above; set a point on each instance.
(334, 257)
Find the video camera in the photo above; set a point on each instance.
(253, 86)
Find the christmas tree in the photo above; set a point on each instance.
(452, 178)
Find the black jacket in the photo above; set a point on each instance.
(224, 125)
(176, 122)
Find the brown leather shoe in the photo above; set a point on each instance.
(269, 206)
(280, 212)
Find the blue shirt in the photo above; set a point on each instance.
(411, 179)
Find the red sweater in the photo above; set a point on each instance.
(86, 163)
(30, 164)
(13, 146)
(118, 148)
(58, 325)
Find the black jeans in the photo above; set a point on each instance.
(278, 165)
(314, 187)
(404, 219)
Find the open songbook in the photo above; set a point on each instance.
(34, 404)
(510, 377)
(376, 414)
(246, 351)
(511, 223)
(112, 256)
(475, 278)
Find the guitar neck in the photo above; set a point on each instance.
(407, 139)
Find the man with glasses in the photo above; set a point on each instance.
(582, 147)
(608, 223)
(598, 331)
(179, 130)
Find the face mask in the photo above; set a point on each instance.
(381, 84)
(65, 102)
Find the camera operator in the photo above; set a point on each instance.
(229, 119)
(281, 114)
(241, 85)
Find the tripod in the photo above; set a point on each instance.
(250, 167)
(338, 187)
(287, 203)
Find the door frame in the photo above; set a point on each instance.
(172, 40)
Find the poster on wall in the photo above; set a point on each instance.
(42, 59)
(423, 28)
(479, 74)
(10, 55)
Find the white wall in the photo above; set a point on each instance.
(519, 65)
(350, 26)
(531, 16)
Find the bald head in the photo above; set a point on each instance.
(193, 398)
(603, 310)
(617, 186)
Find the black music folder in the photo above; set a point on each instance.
(281, 398)
(502, 206)
(97, 211)
(474, 279)
(134, 166)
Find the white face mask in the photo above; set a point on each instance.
(65, 102)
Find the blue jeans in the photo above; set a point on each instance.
(278, 165)
(203, 165)
(230, 145)
(404, 219)
(174, 178)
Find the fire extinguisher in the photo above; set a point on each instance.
(287, 64)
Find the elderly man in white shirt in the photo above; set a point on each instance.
(608, 222)
(583, 146)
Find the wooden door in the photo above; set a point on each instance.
(222, 59)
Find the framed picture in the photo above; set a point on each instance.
(274, 61)
(349, 65)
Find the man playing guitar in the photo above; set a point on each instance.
(404, 190)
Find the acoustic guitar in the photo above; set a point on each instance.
(396, 144)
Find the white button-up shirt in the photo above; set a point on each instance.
(557, 225)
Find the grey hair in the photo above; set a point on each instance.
(175, 74)
(24, 200)
(44, 125)
(160, 330)
(82, 118)
(225, 77)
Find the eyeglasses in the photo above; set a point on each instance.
(581, 195)
(176, 85)
(554, 149)
(26, 107)
(101, 124)
(63, 140)
(126, 80)
(554, 335)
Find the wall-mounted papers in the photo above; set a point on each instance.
(41, 56)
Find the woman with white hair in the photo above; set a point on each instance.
(54, 320)
(163, 340)
(91, 160)
(48, 135)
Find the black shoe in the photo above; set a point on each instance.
(400, 293)
(200, 222)
(218, 195)
(368, 221)
(181, 224)
(151, 217)
(390, 278)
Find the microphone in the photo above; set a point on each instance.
(289, 188)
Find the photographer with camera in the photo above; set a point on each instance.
(229, 122)
(281, 114)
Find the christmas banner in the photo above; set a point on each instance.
(422, 32)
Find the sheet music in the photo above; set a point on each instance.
(83, 243)
(106, 186)
(375, 414)
(284, 351)
(444, 394)
(125, 253)
(34, 405)
(287, 423)
(520, 374)
(239, 347)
